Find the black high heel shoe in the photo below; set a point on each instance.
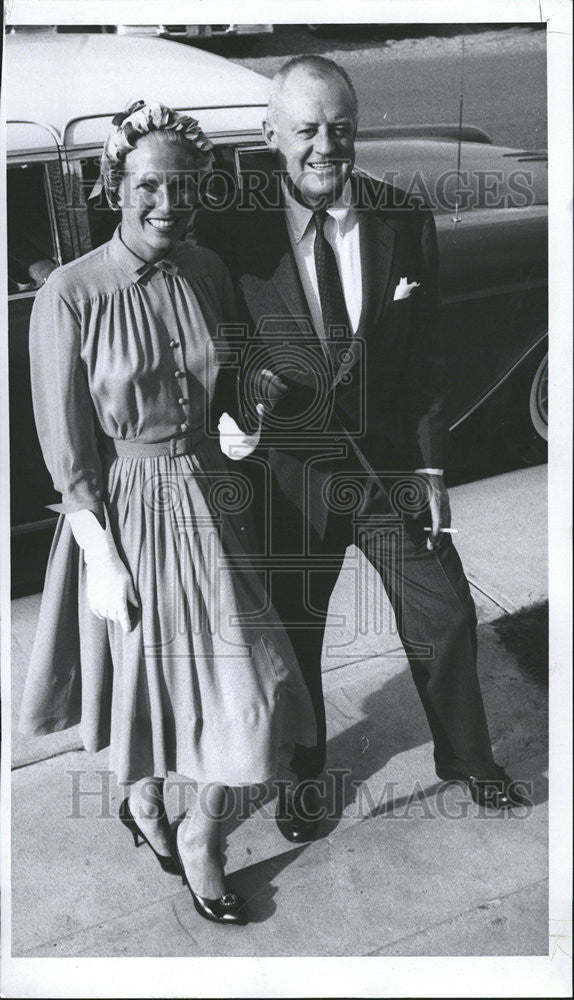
(227, 909)
(168, 863)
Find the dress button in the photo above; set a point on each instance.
(179, 374)
(184, 427)
(173, 344)
(182, 401)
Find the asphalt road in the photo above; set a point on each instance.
(411, 75)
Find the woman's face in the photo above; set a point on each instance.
(157, 196)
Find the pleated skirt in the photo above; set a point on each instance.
(206, 683)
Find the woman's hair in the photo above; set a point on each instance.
(141, 119)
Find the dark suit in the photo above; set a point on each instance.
(338, 443)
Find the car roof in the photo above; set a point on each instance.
(52, 79)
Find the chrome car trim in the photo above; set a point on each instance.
(498, 383)
(33, 526)
(447, 130)
(189, 108)
(488, 293)
(79, 151)
(32, 121)
(22, 295)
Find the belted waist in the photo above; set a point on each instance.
(184, 445)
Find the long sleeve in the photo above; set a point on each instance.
(229, 344)
(63, 407)
(428, 391)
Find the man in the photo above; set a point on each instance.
(337, 278)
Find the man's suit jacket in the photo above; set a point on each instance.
(386, 403)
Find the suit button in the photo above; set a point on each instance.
(179, 374)
(184, 426)
(182, 401)
(173, 344)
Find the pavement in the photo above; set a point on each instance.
(406, 866)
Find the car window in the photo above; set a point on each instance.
(33, 250)
(101, 219)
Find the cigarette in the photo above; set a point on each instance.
(446, 531)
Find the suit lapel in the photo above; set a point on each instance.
(377, 241)
(286, 277)
(280, 299)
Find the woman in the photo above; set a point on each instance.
(140, 637)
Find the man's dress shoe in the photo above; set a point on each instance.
(297, 814)
(499, 792)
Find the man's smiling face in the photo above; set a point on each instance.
(312, 128)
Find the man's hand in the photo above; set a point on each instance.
(439, 505)
(268, 388)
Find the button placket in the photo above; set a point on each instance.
(180, 373)
(183, 388)
(178, 357)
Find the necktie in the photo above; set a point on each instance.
(335, 318)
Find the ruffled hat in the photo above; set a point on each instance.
(130, 125)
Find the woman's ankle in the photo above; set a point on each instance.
(146, 799)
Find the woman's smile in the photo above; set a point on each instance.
(157, 197)
(162, 225)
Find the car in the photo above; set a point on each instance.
(490, 205)
(195, 32)
(491, 210)
(177, 32)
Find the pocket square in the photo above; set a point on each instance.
(404, 289)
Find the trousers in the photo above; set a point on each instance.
(435, 615)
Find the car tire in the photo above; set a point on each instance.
(539, 399)
(531, 431)
(515, 419)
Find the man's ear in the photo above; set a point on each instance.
(269, 134)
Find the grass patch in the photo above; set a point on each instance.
(525, 633)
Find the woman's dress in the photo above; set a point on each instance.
(124, 354)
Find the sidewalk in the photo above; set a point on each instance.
(377, 882)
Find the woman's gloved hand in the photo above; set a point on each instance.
(234, 442)
(108, 583)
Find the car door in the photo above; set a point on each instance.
(40, 237)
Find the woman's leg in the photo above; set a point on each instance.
(199, 842)
(148, 810)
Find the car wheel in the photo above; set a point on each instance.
(515, 419)
(539, 399)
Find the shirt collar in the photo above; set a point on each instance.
(299, 216)
(135, 266)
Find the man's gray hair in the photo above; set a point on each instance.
(318, 66)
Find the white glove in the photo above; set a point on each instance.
(234, 442)
(109, 586)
